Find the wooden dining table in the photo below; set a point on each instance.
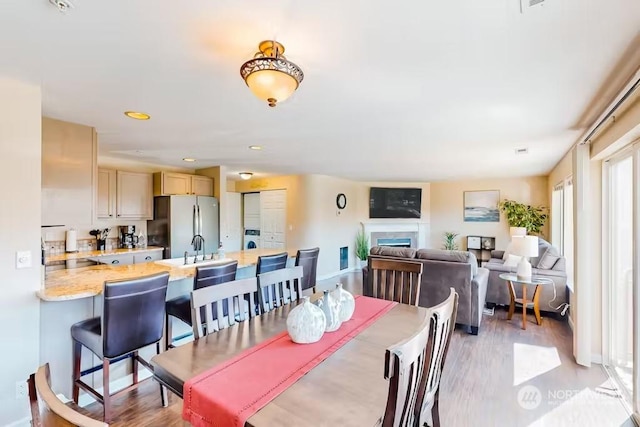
(346, 389)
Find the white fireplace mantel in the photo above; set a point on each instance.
(395, 225)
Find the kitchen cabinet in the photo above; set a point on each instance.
(147, 257)
(134, 195)
(125, 195)
(69, 155)
(106, 194)
(174, 183)
(125, 259)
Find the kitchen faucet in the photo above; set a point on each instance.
(198, 242)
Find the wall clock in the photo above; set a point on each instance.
(341, 201)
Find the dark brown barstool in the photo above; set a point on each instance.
(308, 259)
(180, 307)
(132, 318)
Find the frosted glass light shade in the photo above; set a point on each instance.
(525, 246)
(517, 231)
(270, 85)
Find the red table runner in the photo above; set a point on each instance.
(228, 394)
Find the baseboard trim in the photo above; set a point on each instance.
(337, 273)
(22, 422)
(117, 385)
(570, 321)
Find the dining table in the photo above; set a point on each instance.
(347, 388)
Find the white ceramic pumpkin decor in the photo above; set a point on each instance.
(347, 302)
(306, 323)
(331, 309)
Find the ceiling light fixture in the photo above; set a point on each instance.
(269, 75)
(137, 115)
(255, 147)
(189, 159)
(245, 175)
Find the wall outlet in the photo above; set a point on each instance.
(21, 390)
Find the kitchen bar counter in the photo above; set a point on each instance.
(96, 254)
(63, 285)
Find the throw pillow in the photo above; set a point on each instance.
(548, 259)
(512, 260)
(507, 251)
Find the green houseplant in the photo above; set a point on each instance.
(522, 215)
(450, 241)
(362, 245)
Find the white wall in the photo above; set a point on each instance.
(447, 207)
(20, 147)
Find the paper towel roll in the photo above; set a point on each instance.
(72, 242)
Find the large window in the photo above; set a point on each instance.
(562, 223)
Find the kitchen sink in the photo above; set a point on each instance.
(179, 262)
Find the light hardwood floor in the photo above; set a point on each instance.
(504, 376)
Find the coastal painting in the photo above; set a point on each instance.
(481, 206)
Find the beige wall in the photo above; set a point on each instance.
(447, 207)
(20, 148)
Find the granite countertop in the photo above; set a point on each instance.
(70, 284)
(96, 254)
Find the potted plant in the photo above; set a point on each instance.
(450, 241)
(362, 247)
(522, 215)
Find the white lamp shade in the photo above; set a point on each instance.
(517, 231)
(525, 246)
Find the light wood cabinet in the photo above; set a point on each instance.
(174, 183)
(134, 198)
(106, 194)
(201, 185)
(69, 153)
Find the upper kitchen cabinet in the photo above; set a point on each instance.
(134, 198)
(126, 195)
(69, 153)
(174, 183)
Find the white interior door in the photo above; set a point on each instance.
(232, 234)
(273, 219)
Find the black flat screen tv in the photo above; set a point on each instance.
(394, 202)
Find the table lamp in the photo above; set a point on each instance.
(525, 247)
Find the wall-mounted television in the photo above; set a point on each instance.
(394, 202)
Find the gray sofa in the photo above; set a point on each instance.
(443, 270)
(549, 263)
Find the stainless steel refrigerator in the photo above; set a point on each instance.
(176, 219)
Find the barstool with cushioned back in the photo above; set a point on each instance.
(180, 307)
(132, 318)
(308, 259)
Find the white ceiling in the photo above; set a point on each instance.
(414, 90)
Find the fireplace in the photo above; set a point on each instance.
(398, 239)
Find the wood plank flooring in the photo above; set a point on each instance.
(504, 376)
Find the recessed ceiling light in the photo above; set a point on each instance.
(137, 115)
(189, 159)
(245, 175)
(255, 147)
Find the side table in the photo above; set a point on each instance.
(512, 278)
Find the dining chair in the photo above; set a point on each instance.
(205, 300)
(54, 412)
(279, 287)
(393, 280)
(267, 263)
(132, 318)
(180, 307)
(308, 259)
(414, 369)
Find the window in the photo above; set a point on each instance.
(562, 223)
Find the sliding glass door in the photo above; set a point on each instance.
(620, 272)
